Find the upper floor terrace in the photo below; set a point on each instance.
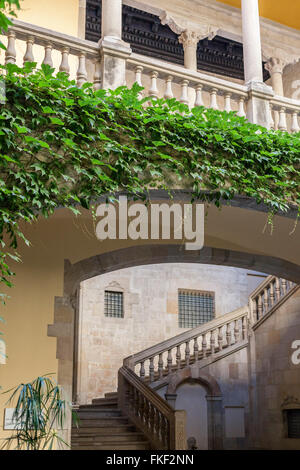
(202, 52)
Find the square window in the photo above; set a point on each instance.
(195, 307)
(113, 304)
(293, 423)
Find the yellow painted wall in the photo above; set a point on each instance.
(60, 15)
(285, 12)
(40, 277)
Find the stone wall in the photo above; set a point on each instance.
(150, 314)
(278, 379)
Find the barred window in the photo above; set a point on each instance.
(195, 307)
(113, 304)
(293, 422)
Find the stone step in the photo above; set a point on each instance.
(102, 421)
(111, 395)
(98, 413)
(122, 437)
(105, 429)
(138, 445)
(101, 402)
(104, 402)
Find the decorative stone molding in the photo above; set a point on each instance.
(192, 31)
(278, 58)
(189, 38)
(290, 402)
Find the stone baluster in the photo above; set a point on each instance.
(157, 424)
(204, 346)
(196, 350)
(168, 91)
(241, 110)
(151, 418)
(272, 294)
(48, 55)
(227, 106)
(228, 334)
(153, 91)
(151, 369)
(220, 338)
(213, 98)
(184, 92)
(277, 289)
(138, 75)
(146, 413)
(28, 56)
(81, 71)
(178, 357)
(271, 120)
(282, 124)
(254, 309)
(199, 100)
(64, 65)
(160, 366)
(266, 300)
(295, 125)
(244, 327)
(212, 343)
(164, 430)
(187, 353)
(10, 53)
(169, 360)
(283, 283)
(97, 76)
(259, 306)
(142, 370)
(236, 331)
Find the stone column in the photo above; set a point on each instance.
(251, 41)
(275, 67)
(259, 94)
(189, 40)
(113, 50)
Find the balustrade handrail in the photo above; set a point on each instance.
(180, 73)
(59, 40)
(267, 296)
(188, 335)
(290, 105)
(172, 439)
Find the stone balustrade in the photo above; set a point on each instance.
(288, 110)
(189, 347)
(159, 78)
(69, 47)
(164, 426)
(267, 296)
(166, 80)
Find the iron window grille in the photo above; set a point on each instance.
(293, 423)
(113, 304)
(195, 307)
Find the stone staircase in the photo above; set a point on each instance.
(102, 426)
(137, 418)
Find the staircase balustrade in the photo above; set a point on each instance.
(267, 296)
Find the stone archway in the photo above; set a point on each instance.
(214, 399)
(65, 325)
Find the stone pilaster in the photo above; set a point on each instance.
(113, 50)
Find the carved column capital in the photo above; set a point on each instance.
(275, 65)
(189, 38)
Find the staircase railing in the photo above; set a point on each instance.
(190, 346)
(266, 297)
(163, 426)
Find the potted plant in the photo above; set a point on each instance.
(39, 416)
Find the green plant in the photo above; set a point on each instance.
(61, 145)
(7, 7)
(39, 415)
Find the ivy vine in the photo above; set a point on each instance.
(61, 145)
